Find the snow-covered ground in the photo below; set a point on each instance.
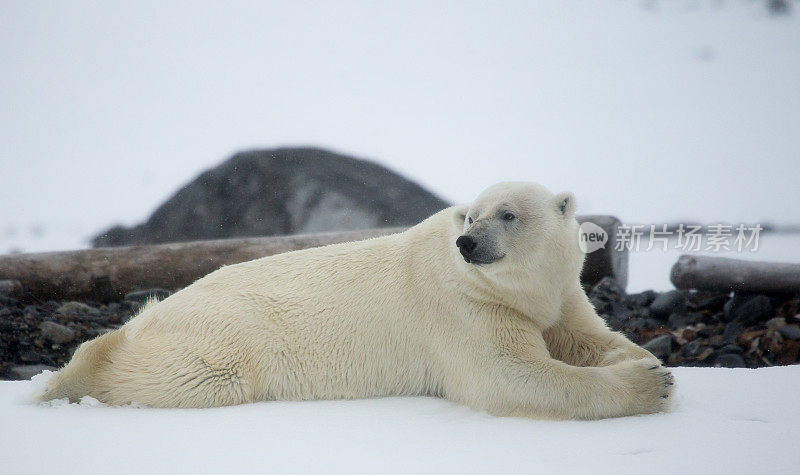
(725, 421)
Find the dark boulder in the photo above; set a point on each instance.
(731, 349)
(668, 303)
(732, 331)
(660, 346)
(76, 308)
(730, 360)
(711, 304)
(10, 288)
(279, 192)
(748, 309)
(692, 349)
(30, 311)
(680, 320)
(57, 333)
(602, 307)
(643, 299)
(642, 324)
(607, 289)
(790, 332)
(619, 319)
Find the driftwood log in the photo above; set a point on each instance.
(107, 274)
(725, 274)
(608, 261)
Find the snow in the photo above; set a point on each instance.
(655, 110)
(724, 421)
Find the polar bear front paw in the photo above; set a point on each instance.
(618, 355)
(647, 384)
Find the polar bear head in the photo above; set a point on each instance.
(520, 227)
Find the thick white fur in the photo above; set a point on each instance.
(397, 315)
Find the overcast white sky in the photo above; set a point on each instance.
(651, 111)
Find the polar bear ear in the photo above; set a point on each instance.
(460, 214)
(565, 203)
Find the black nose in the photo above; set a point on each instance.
(466, 245)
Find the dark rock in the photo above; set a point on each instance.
(616, 315)
(660, 346)
(142, 296)
(716, 341)
(25, 372)
(707, 331)
(11, 288)
(57, 333)
(790, 332)
(779, 7)
(718, 317)
(642, 324)
(30, 356)
(693, 349)
(707, 354)
(8, 301)
(731, 349)
(618, 308)
(282, 191)
(732, 331)
(601, 306)
(607, 289)
(689, 335)
(788, 352)
(77, 308)
(680, 320)
(789, 308)
(643, 299)
(616, 322)
(729, 360)
(103, 289)
(775, 323)
(677, 320)
(30, 311)
(667, 303)
(643, 312)
(712, 303)
(748, 309)
(129, 306)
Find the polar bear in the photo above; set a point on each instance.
(478, 304)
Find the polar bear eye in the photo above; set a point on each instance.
(469, 220)
(508, 216)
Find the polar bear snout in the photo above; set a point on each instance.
(474, 252)
(466, 245)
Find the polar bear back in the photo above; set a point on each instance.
(341, 321)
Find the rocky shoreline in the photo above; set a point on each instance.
(683, 328)
(702, 328)
(36, 336)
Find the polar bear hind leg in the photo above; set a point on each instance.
(154, 372)
(79, 376)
